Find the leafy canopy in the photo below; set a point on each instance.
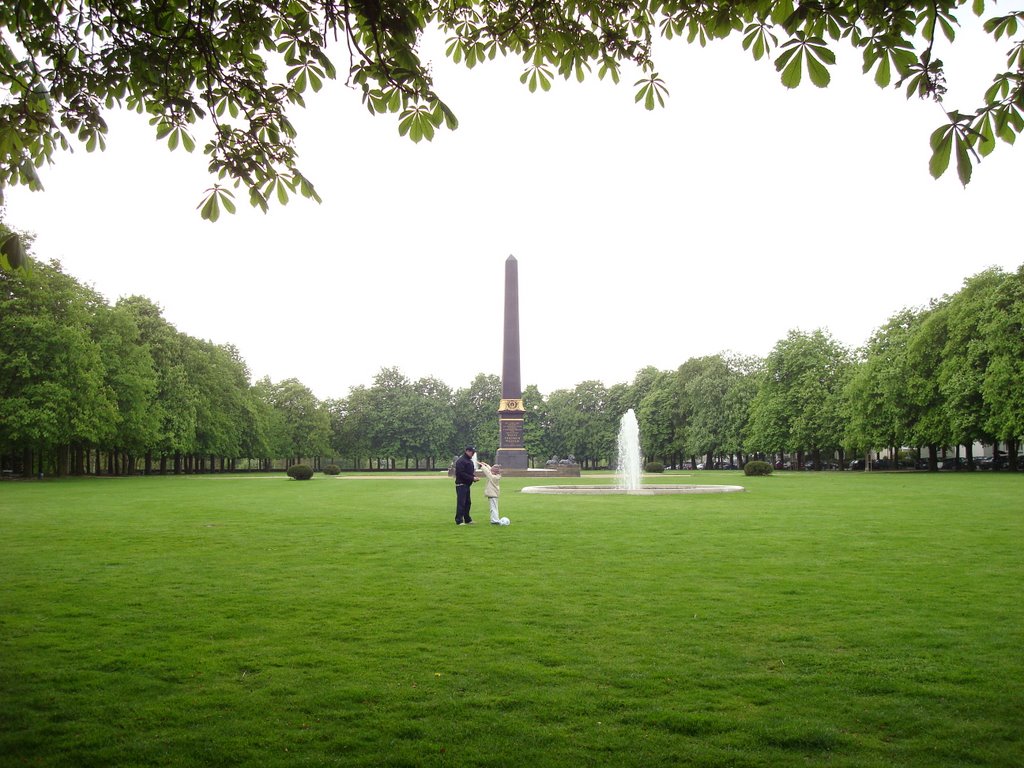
(231, 70)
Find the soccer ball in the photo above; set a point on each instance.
(506, 521)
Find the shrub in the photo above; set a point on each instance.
(332, 469)
(752, 468)
(300, 471)
(654, 466)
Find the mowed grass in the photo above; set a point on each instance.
(841, 619)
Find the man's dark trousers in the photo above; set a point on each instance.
(462, 504)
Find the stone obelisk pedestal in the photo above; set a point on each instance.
(511, 449)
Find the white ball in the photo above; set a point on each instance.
(506, 521)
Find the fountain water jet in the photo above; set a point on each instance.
(629, 452)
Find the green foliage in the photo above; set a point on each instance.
(799, 405)
(226, 75)
(536, 424)
(883, 394)
(300, 472)
(52, 389)
(659, 417)
(654, 467)
(332, 469)
(757, 469)
(1002, 329)
(300, 424)
(12, 251)
(474, 415)
(582, 422)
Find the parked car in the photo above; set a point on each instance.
(857, 464)
(995, 462)
(953, 463)
(810, 465)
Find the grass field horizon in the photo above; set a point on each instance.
(842, 619)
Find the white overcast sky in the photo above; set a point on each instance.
(739, 212)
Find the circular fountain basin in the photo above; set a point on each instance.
(644, 490)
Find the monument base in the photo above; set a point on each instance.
(512, 458)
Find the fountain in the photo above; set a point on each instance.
(629, 471)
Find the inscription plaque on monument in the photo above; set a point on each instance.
(511, 433)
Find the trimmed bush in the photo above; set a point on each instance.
(754, 468)
(300, 471)
(654, 466)
(332, 469)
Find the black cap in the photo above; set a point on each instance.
(471, 448)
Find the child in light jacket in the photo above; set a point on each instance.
(493, 475)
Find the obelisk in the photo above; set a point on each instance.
(511, 450)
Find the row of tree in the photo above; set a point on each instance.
(940, 377)
(89, 387)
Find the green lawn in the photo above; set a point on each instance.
(841, 619)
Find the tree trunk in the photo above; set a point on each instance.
(933, 458)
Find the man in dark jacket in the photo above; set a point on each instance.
(465, 476)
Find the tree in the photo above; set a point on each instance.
(392, 405)
(644, 381)
(536, 423)
(704, 392)
(350, 425)
(301, 426)
(411, 420)
(132, 379)
(434, 420)
(924, 358)
(1003, 330)
(799, 404)
(559, 412)
(741, 389)
(659, 418)
(476, 415)
(175, 401)
(965, 360)
(220, 379)
(581, 424)
(882, 393)
(596, 428)
(233, 69)
(52, 390)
